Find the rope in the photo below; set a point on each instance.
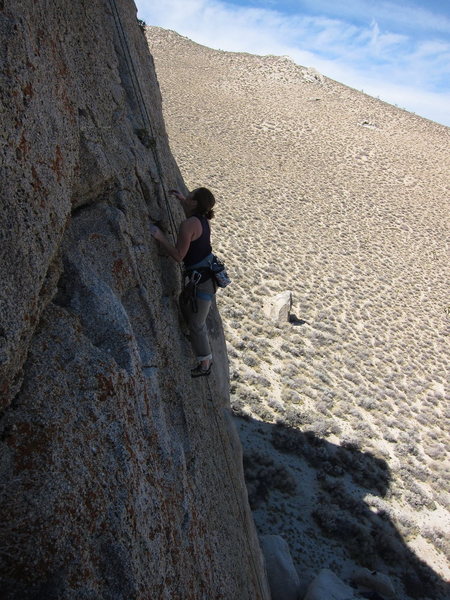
(146, 120)
(141, 104)
(242, 517)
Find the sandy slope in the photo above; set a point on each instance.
(344, 200)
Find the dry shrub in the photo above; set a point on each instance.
(263, 475)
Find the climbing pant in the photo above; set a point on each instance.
(197, 320)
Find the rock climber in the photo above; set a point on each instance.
(193, 248)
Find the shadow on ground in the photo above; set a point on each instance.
(334, 495)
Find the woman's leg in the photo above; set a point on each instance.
(197, 322)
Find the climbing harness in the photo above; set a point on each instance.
(190, 293)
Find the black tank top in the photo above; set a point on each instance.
(201, 247)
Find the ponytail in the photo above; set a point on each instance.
(205, 202)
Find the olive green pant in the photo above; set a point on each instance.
(197, 320)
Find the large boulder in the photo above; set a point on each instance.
(277, 308)
(373, 580)
(283, 578)
(328, 586)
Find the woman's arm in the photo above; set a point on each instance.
(185, 235)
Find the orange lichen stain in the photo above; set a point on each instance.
(27, 92)
(57, 164)
(30, 318)
(38, 186)
(118, 266)
(22, 147)
(68, 106)
(106, 387)
(37, 183)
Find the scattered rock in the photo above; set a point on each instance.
(312, 76)
(368, 124)
(283, 578)
(278, 307)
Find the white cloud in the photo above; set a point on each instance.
(412, 73)
(406, 15)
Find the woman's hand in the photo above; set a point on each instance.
(178, 195)
(156, 232)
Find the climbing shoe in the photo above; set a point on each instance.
(199, 371)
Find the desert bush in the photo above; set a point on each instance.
(419, 472)
(251, 360)
(364, 429)
(290, 396)
(407, 528)
(422, 582)
(390, 436)
(417, 498)
(439, 539)
(287, 439)
(351, 443)
(337, 492)
(322, 408)
(232, 352)
(368, 403)
(291, 349)
(294, 417)
(262, 411)
(436, 451)
(355, 537)
(259, 381)
(238, 407)
(340, 411)
(365, 469)
(276, 405)
(389, 545)
(323, 427)
(407, 449)
(263, 474)
(235, 375)
(328, 467)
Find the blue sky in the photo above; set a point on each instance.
(396, 50)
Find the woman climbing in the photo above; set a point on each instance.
(193, 248)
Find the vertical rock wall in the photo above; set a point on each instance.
(120, 476)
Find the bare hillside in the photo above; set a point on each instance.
(344, 200)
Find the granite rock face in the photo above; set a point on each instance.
(120, 476)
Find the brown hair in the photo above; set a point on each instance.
(205, 202)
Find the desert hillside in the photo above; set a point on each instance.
(344, 200)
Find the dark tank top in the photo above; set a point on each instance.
(201, 247)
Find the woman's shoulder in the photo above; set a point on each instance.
(193, 224)
(193, 221)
